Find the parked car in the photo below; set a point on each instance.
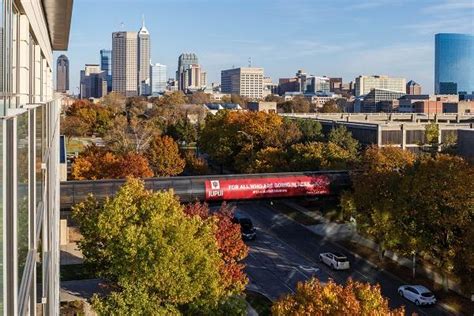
(246, 228)
(337, 261)
(418, 294)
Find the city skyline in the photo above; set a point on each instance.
(402, 44)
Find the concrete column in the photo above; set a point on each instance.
(404, 137)
(379, 135)
(24, 76)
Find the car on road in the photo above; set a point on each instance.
(246, 228)
(418, 294)
(337, 261)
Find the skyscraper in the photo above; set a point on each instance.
(413, 88)
(124, 63)
(106, 66)
(158, 79)
(184, 63)
(143, 60)
(93, 82)
(454, 63)
(62, 74)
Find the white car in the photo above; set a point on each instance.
(336, 261)
(418, 294)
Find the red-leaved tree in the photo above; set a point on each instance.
(231, 247)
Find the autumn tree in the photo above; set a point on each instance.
(195, 165)
(93, 118)
(355, 298)
(330, 106)
(154, 259)
(270, 159)
(229, 240)
(200, 98)
(183, 131)
(343, 138)
(164, 157)
(298, 104)
(172, 99)
(99, 163)
(114, 102)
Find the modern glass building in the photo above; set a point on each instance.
(158, 79)
(29, 145)
(454, 63)
(106, 66)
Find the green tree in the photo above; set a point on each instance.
(311, 130)
(156, 259)
(343, 138)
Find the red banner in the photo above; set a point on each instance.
(262, 188)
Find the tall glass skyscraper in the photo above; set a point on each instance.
(454, 63)
(106, 66)
(158, 79)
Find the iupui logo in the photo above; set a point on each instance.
(215, 185)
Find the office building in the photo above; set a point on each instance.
(364, 84)
(454, 63)
(144, 81)
(158, 79)
(185, 61)
(93, 82)
(106, 66)
(124, 63)
(335, 84)
(29, 149)
(317, 85)
(246, 82)
(62, 74)
(377, 100)
(413, 88)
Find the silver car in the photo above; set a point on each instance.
(336, 261)
(418, 294)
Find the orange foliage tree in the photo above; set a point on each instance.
(98, 163)
(355, 298)
(231, 247)
(164, 157)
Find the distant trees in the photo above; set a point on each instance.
(298, 104)
(314, 298)
(84, 118)
(330, 106)
(417, 206)
(156, 259)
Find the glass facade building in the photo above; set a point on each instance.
(29, 147)
(454, 63)
(158, 79)
(106, 66)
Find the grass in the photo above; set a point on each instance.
(295, 215)
(75, 272)
(259, 302)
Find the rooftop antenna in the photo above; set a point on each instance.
(122, 26)
(143, 20)
(250, 62)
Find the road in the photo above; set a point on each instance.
(285, 253)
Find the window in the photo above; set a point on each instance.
(1, 216)
(22, 191)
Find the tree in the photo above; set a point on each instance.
(330, 107)
(95, 118)
(273, 98)
(173, 99)
(229, 240)
(200, 98)
(98, 163)
(270, 159)
(343, 138)
(311, 130)
(73, 126)
(314, 298)
(164, 157)
(155, 259)
(195, 165)
(114, 102)
(183, 131)
(297, 105)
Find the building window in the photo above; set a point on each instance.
(22, 191)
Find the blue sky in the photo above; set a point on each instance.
(340, 38)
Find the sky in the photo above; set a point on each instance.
(336, 38)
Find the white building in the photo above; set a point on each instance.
(158, 79)
(29, 149)
(144, 78)
(124, 63)
(364, 84)
(246, 82)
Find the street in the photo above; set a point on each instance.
(285, 253)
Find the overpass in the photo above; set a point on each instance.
(219, 187)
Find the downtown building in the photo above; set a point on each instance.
(106, 66)
(93, 82)
(29, 146)
(454, 63)
(190, 76)
(159, 79)
(124, 63)
(364, 84)
(246, 81)
(62, 74)
(143, 62)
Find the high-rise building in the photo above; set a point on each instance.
(413, 88)
(454, 63)
(185, 61)
(106, 66)
(144, 85)
(62, 74)
(29, 155)
(364, 84)
(158, 79)
(193, 78)
(246, 82)
(93, 82)
(124, 63)
(335, 84)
